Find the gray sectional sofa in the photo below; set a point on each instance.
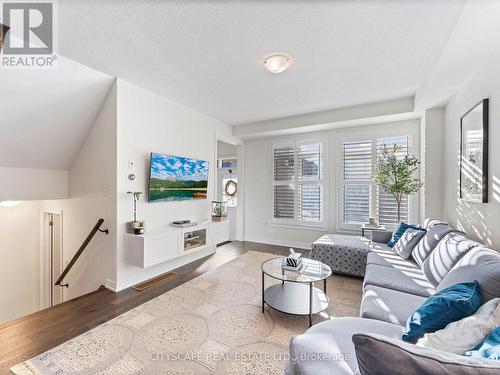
(393, 288)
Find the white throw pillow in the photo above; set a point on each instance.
(467, 333)
(407, 242)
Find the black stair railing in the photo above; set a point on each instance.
(95, 229)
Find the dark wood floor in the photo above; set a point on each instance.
(34, 334)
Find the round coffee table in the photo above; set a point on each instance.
(296, 294)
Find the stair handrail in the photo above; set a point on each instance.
(95, 229)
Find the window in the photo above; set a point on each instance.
(361, 198)
(228, 163)
(357, 171)
(298, 183)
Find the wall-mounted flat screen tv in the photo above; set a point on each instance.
(174, 178)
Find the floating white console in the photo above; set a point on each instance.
(166, 243)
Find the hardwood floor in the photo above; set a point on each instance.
(34, 334)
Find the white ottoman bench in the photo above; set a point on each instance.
(343, 253)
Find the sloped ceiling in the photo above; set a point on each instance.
(207, 54)
(45, 115)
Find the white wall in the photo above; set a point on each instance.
(32, 184)
(92, 196)
(258, 226)
(225, 149)
(20, 260)
(150, 123)
(477, 219)
(432, 153)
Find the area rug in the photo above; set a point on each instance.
(210, 325)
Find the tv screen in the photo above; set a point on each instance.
(173, 178)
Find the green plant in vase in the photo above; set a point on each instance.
(396, 174)
(137, 225)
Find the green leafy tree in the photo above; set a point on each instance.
(395, 173)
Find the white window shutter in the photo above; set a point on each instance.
(284, 176)
(356, 203)
(357, 171)
(357, 160)
(298, 189)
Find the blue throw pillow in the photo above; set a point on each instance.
(490, 348)
(396, 235)
(449, 305)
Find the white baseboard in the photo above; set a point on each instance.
(298, 245)
(110, 284)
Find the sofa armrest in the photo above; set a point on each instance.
(381, 236)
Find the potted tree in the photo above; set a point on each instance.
(395, 173)
(136, 226)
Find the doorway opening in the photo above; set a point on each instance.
(227, 183)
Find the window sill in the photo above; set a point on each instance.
(319, 227)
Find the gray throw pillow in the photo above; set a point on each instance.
(377, 354)
(407, 242)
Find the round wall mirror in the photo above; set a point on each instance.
(231, 188)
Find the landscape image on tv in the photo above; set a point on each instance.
(173, 178)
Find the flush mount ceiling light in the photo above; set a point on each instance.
(10, 203)
(277, 62)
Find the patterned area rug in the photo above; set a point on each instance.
(210, 325)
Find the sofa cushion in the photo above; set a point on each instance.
(377, 354)
(429, 242)
(389, 259)
(407, 242)
(377, 247)
(318, 353)
(388, 305)
(340, 333)
(446, 254)
(430, 222)
(481, 264)
(410, 280)
(447, 306)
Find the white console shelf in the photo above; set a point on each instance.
(167, 243)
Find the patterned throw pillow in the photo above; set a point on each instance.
(407, 242)
(399, 231)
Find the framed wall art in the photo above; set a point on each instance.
(474, 154)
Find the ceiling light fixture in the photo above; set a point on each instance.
(277, 62)
(9, 204)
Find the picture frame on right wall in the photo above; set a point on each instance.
(474, 129)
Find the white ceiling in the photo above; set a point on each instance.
(206, 54)
(45, 115)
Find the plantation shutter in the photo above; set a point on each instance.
(386, 203)
(297, 182)
(309, 188)
(357, 171)
(284, 176)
